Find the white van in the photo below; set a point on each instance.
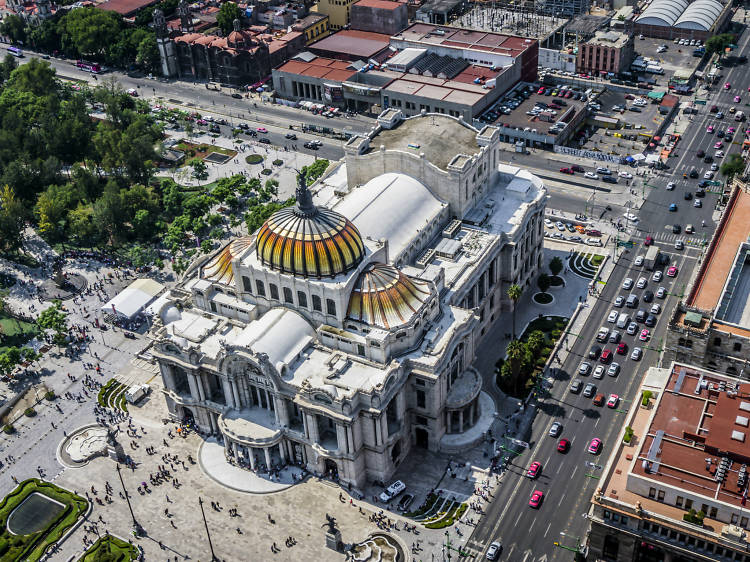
(623, 320)
(392, 491)
(136, 392)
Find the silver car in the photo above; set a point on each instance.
(632, 328)
(642, 283)
(555, 429)
(636, 354)
(589, 390)
(584, 368)
(627, 284)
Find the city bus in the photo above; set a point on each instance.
(15, 51)
(92, 67)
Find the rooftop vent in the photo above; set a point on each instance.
(738, 436)
(745, 406)
(741, 420)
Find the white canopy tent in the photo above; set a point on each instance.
(133, 299)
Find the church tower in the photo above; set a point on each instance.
(186, 18)
(165, 46)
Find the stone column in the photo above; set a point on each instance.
(252, 458)
(228, 399)
(448, 417)
(282, 453)
(236, 394)
(266, 451)
(473, 410)
(168, 377)
(312, 424)
(461, 420)
(193, 384)
(199, 384)
(282, 410)
(349, 439)
(384, 426)
(341, 438)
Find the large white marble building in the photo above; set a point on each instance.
(342, 333)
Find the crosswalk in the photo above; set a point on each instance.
(670, 238)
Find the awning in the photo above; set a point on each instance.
(655, 95)
(133, 299)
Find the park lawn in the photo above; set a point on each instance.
(202, 150)
(110, 549)
(32, 547)
(14, 332)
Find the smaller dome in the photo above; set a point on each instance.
(219, 267)
(385, 297)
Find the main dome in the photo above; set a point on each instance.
(385, 297)
(309, 241)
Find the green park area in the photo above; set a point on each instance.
(14, 332)
(34, 516)
(110, 549)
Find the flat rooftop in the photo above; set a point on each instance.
(319, 67)
(446, 36)
(353, 43)
(734, 306)
(609, 38)
(439, 137)
(462, 92)
(492, 17)
(709, 286)
(699, 416)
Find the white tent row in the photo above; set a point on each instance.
(133, 299)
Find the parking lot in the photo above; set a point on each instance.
(635, 126)
(675, 58)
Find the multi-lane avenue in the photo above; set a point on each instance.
(568, 480)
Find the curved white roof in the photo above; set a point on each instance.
(281, 333)
(662, 12)
(700, 15)
(392, 206)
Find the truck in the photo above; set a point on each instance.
(136, 392)
(739, 116)
(651, 258)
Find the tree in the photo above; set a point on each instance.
(90, 31)
(272, 188)
(514, 293)
(228, 12)
(81, 224)
(53, 318)
(718, 43)
(555, 266)
(9, 64)
(200, 170)
(36, 77)
(536, 342)
(543, 282)
(512, 367)
(734, 166)
(52, 209)
(12, 213)
(147, 54)
(14, 27)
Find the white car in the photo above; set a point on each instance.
(591, 176)
(632, 328)
(670, 186)
(555, 429)
(392, 491)
(560, 226)
(584, 368)
(619, 301)
(612, 318)
(661, 293)
(709, 175)
(636, 354)
(714, 166)
(627, 284)
(599, 372)
(655, 309)
(494, 551)
(638, 261)
(657, 276)
(641, 283)
(626, 175)
(593, 242)
(719, 154)
(614, 369)
(630, 216)
(697, 203)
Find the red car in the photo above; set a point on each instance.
(534, 470)
(672, 272)
(566, 171)
(563, 445)
(606, 356)
(536, 499)
(649, 240)
(595, 446)
(622, 348)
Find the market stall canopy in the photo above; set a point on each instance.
(133, 299)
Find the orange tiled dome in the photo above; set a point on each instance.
(309, 241)
(219, 267)
(385, 297)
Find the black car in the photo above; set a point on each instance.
(701, 192)
(676, 229)
(214, 129)
(720, 134)
(244, 126)
(650, 321)
(688, 196)
(290, 136)
(693, 173)
(701, 153)
(311, 146)
(594, 352)
(648, 296)
(663, 259)
(237, 96)
(264, 140)
(708, 159)
(252, 133)
(609, 179)
(640, 316)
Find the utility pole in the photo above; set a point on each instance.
(210, 544)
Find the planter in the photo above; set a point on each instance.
(543, 299)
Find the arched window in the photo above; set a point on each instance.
(302, 299)
(330, 307)
(316, 303)
(246, 285)
(274, 291)
(288, 295)
(260, 287)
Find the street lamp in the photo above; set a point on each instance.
(136, 526)
(210, 544)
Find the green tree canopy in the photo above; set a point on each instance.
(543, 282)
(54, 318)
(555, 265)
(718, 43)
(90, 31)
(733, 166)
(12, 213)
(14, 27)
(228, 12)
